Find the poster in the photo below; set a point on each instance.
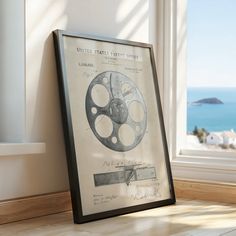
(115, 139)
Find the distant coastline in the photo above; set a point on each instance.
(201, 139)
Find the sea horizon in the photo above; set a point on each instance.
(212, 117)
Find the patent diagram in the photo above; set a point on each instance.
(114, 101)
(128, 174)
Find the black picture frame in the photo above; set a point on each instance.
(110, 172)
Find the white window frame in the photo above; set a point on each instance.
(13, 125)
(186, 163)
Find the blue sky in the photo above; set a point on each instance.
(211, 49)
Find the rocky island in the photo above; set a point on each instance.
(209, 101)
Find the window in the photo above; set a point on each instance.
(211, 74)
(12, 82)
(188, 161)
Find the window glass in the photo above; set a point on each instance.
(211, 74)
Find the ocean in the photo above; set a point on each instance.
(212, 117)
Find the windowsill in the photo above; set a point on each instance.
(17, 149)
(210, 168)
(185, 161)
(206, 159)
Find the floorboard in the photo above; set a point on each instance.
(186, 218)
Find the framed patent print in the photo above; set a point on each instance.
(113, 124)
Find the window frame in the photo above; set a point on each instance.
(13, 124)
(186, 163)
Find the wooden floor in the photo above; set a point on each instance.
(186, 218)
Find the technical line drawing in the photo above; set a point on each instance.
(122, 93)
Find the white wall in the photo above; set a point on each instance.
(133, 20)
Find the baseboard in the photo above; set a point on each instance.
(30, 207)
(204, 190)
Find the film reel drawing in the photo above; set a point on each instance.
(116, 111)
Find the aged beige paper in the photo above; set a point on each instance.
(110, 178)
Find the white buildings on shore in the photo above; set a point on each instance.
(229, 138)
(214, 138)
(222, 138)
